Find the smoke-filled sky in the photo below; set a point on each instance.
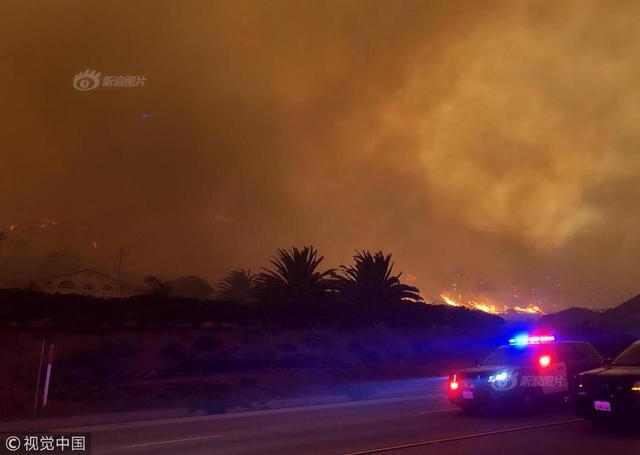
(493, 145)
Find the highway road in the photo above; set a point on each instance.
(421, 424)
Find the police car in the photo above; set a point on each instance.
(612, 390)
(527, 371)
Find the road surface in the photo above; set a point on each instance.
(424, 424)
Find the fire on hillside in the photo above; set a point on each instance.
(488, 307)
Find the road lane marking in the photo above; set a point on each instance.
(170, 441)
(462, 437)
(434, 411)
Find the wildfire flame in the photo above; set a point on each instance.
(448, 300)
(529, 309)
(489, 307)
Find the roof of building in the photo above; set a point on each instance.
(94, 272)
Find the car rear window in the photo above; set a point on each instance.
(629, 357)
(517, 355)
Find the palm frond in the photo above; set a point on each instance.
(294, 275)
(371, 278)
(237, 286)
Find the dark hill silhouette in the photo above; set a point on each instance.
(624, 318)
(610, 330)
(571, 318)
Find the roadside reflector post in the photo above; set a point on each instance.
(47, 379)
(35, 397)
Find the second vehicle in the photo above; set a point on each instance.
(612, 391)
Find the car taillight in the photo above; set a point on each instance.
(453, 383)
(544, 361)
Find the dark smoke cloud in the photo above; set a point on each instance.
(490, 144)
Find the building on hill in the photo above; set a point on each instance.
(90, 283)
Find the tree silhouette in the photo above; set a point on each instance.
(158, 287)
(191, 287)
(237, 286)
(295, 276)
(371, 279)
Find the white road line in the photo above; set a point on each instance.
(434, 411)
(170, 441)
(461, 437)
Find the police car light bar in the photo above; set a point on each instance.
(523, 340)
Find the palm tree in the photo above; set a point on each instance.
(237, 286)
(371, 279)
(295, 277)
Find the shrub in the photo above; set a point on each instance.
(355, 347)
(123, 348)
(287, 347)
(207, 343)
(174, 350)
(317, 340)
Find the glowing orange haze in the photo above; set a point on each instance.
(490, 308)
(499, 137)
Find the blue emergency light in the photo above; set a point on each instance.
(526, 339)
